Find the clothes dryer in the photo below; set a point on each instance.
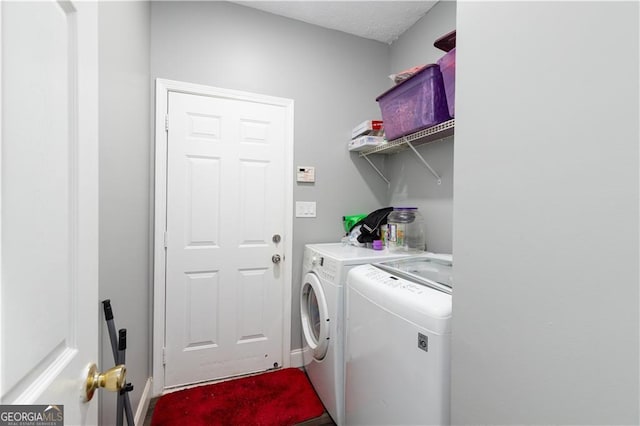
(398, 340)
(325, 268)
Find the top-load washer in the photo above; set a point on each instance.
(398, 340)
(325, 268)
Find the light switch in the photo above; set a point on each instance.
(305, 209)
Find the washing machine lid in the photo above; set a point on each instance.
(314, 314)
(408, 300)
(433, 270)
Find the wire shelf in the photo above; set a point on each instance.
(421, 137)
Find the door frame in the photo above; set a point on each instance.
(163, 88)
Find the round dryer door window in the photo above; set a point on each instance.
(315, 316)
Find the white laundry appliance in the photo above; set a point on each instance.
(398, 340)
(324, 269)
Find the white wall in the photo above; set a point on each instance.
(332, 77)
(545, 324)
(124, 90)
(411, 182)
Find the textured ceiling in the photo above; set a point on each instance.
(384, 21)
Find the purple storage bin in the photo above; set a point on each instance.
(448, 68)
(415, 104)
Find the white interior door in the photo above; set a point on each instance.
(226, 200)
(49, 285)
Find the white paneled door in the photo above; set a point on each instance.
(49, 217)
(225, 227)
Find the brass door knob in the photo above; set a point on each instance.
(112, 380)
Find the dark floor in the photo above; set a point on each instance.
(147, 417)
(323, 420)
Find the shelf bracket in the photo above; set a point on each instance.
(415, 151)
(377, 170)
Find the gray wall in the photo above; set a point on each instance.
(545, 324)
(546, 214)
(124, 91)
(411, 182)
(332, 77)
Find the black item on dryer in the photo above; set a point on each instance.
(370, 225)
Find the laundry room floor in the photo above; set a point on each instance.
(323, 420)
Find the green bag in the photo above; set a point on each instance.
(351, 220)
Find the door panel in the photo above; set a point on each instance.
(49, 204)
(225, 201)
(253, 285)
(202, 293)
(252, 191)
(36, 194)
(203, 201)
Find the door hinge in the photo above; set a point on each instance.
(164, 356)
(166, 122)
(166, 239)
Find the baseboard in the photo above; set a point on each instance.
(297, 359)
(143, 405)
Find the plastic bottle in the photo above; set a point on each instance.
(405, 230)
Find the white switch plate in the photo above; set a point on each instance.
(305, 174)
(305, 209)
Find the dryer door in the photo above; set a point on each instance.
(315, 316)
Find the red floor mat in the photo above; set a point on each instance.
(279, 398)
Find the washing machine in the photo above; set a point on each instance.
(325, 268)
(398, 342)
